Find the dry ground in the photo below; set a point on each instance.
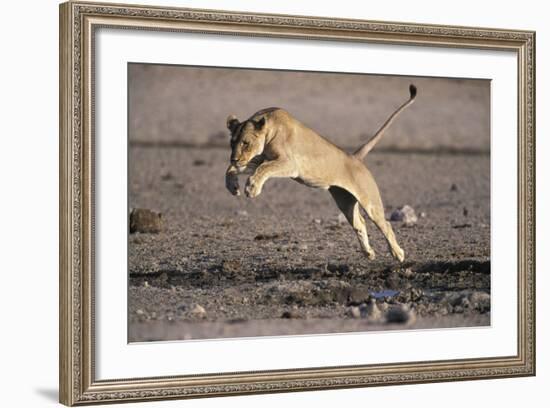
(284, 263)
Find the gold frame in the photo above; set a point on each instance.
(78, 21)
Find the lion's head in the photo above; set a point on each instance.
(247, 139)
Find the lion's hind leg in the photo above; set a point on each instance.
(349, 206)
(368, 196)
(376, 214)
(375, 210)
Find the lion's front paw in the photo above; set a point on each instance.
(252, 188)
(232, 184)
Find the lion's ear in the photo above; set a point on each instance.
(260, 124)
(232, 122)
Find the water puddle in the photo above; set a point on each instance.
(384, 293)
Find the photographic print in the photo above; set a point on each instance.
(257, 203)
(274, 202)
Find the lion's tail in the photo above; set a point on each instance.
(362, 152)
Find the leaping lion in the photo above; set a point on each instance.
(272, 143)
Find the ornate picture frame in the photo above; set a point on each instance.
(78, 24)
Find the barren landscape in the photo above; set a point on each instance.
(285, 262)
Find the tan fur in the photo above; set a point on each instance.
(272, 143)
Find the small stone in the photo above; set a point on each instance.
(289, 314)
(198, 312)
(140, 312)
(242, 213)
(372, 311)
(454, 187)
(465, 303)
(342, 219)
(423, 214)
(465, 212)
(199, 162)
(480, 301)
(317, 220)
(166, 176)
(265, 237)
(407, 273)
(145, 221)
(231, 266)
(145, 284)
(354, 312)
(302, 247)
(405, 214)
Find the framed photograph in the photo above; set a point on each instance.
(256, 203)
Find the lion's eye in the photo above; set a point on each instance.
(245, 144)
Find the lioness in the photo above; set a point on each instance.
(272, 143)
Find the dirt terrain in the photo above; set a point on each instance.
(285, 262)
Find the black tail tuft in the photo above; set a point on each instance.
(412, 90)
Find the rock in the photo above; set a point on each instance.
(480, 301)
(400, 314)
(407, 273)
(358, 295)
(317, 220)
(342, 219)
(465, 303)
(423, 214)
(454, 187)
(453, 299)
(265, 237)
(231, 266)
(302, 247)
(145, 221)
(354, 312)
(140, 312)
(411, 295)
(290, 314)
(166, 175)
(416, 294)
(199, 162)
(405, 214)
(242, 213)
(198, 312)
(372, 311)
